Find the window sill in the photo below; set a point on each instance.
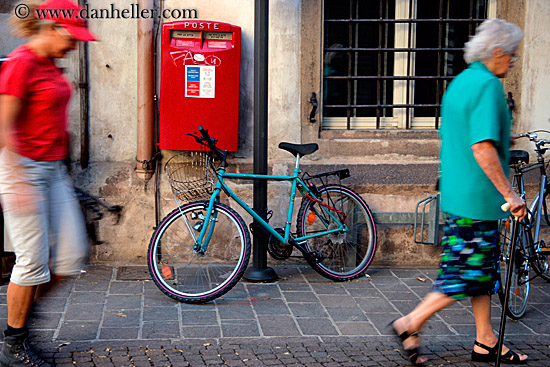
(379, 134)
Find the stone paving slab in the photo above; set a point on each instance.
(116, 316)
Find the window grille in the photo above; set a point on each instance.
(386, 63)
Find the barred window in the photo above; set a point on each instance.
(386, 63)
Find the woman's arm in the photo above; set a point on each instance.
(486, 156)
(10, 107)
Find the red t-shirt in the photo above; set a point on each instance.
(40, 131)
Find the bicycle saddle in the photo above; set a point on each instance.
(517, 156)
(302, 149)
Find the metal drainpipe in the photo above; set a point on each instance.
(145, 92)
(84, 102)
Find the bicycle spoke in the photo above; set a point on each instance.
(188, 275)
(349, 251)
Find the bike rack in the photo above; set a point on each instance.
(430, 218)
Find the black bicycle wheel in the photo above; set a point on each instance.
(188, 274)
(541, 263)
(347, 254)
(519, 285)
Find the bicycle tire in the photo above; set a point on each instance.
(541, 264)
(519, 284)
(346, 255)
(184, 274)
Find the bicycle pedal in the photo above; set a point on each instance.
(315, 256)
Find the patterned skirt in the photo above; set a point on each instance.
(470, 258)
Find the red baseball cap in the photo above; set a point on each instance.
(67, 14)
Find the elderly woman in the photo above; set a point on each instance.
(41, 213)
(475, 139)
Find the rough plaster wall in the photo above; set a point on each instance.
(113, 88)
(514, 11)
(113, 137)
(284, 75)
(7, 42)
(535, 112)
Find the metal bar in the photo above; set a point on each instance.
(382, 105)
(249, 176)
(471, 17)
(399, 77)
(467, 20)
(538, 219)
(397, 49)
(379, 69)
(350, 35)
(259, 270)
(511, 260)
(408, 91)
(439, 53)
(84, 101)
(434, 221)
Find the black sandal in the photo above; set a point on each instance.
(509, 357)
(413, 353)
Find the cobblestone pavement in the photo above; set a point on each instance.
(115, 316)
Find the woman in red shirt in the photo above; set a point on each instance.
(41, 213)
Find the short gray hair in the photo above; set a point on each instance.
(491, 34)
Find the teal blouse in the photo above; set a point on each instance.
(474, 109)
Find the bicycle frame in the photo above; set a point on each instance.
(201, 242)
(536, 206)
(537, 202)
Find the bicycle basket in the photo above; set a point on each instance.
(190, 175)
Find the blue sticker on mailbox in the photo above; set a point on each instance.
(193, 73)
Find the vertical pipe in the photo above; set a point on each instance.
(84, 101)
(379, 61)
(348, 81)
(145, 92)
(440, 54)
(259, 270)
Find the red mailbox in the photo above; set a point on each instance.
(200, 70)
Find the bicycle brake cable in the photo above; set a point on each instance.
(328, 207)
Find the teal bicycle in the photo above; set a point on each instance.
(201, 249)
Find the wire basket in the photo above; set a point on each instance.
(190, 175)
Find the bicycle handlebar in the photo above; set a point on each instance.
(211, 143)
(532, 135)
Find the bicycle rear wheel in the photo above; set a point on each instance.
(519, 285)
(541, 264)
(346, 254)
(188, 275)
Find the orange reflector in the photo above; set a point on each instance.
(310, 218)
(507, 225)
(545, 249)
(166, 272)
(517, 292)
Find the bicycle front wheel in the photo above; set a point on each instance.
(347, 253)
(519, 284)
(192, 275)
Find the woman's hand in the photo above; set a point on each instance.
(517, 206)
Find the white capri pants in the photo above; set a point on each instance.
(43, 219)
